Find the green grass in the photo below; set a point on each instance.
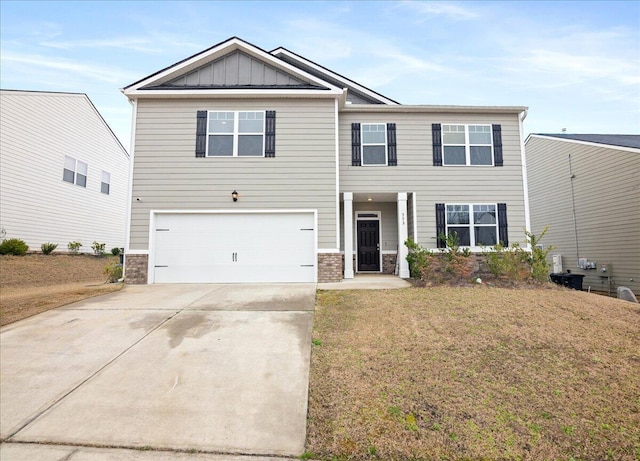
(474, 373)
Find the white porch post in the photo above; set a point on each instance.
(402, 235)
(348, 234)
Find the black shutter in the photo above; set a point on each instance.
(355, 144)
(503, 234)
(392, 155)
(201, 133)
(440, 225)
(497, 145)
(270, 134)
(436, 134)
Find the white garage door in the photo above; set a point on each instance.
(234, 248)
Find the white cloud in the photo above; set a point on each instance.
(89, 71)
(132, 44)
(446, 9)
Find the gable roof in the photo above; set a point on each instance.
(361, 92)
(56, 104)
(616, 140)
(169, 79)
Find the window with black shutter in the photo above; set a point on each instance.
(236, 133)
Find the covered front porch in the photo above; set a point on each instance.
(375, 227)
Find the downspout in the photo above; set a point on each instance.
(525, 183)
(132, 144)
(573, 208)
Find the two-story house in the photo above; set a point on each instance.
(256, 166)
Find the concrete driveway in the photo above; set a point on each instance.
(211, 368)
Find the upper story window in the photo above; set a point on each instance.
(467, 145)
(236, 134)
(374, 144)
(75, 171)
(476, 225)
(105, 184)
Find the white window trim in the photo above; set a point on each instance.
(472, 237)
(102, 181)
(467, 145)
(362, 145)
(236, 134)
(76, 162)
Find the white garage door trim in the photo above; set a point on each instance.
(154, 213)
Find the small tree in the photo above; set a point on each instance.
(538, 258)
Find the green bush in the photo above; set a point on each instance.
(47, 248)
(115, 251)
(113, 272)
(419, 258)
(74, 247)
(98, 248)
(453, 264)
(518, 264)
(15, 247)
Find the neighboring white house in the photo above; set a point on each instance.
(586, 187)
(63, 173)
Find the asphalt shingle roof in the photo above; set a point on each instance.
(621, 140)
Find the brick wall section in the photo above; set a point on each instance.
(136, 269)
(389, 264)
(329, 267)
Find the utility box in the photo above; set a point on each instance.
(557, 264)
(605, 269)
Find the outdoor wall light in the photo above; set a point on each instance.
(234, 195)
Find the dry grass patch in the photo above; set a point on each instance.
(474, 373)
(36, 283)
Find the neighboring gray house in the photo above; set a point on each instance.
(264, 166)
(586, 187)
(64, 176)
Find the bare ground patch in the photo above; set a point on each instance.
(36, 283)
(474, 373)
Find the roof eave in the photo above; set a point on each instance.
(435, 108)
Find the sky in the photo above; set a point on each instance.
(575, 64)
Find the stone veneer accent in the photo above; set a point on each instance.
(389, 263)
(136, 267)
(329, 267)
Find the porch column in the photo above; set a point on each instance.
(402, 236)
(348, 234)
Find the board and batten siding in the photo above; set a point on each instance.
(606, 190)
(37, 130)
(167, 175)
(438, 184)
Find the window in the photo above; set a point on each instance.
(476, 225)
(374, 144)
(105, 185)
(74, 171)
(467, 145)
(235, 134)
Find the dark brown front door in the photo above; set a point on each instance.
(368, 246)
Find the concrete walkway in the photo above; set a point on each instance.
(367, 282)
(213, 368)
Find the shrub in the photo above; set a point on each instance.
(74, 247)
(452, 265)
(98, 248)
(15, 247)
(115, 251)
(47, 248)
(518, 264)
(113, 272)
(419, 258)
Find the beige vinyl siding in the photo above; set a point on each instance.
(167, 174)
(37, 130)
(446, 184)
(607, 205)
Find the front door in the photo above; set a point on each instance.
(368, 246)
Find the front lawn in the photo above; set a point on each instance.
(474, 373)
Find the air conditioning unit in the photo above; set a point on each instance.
(557, 264)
